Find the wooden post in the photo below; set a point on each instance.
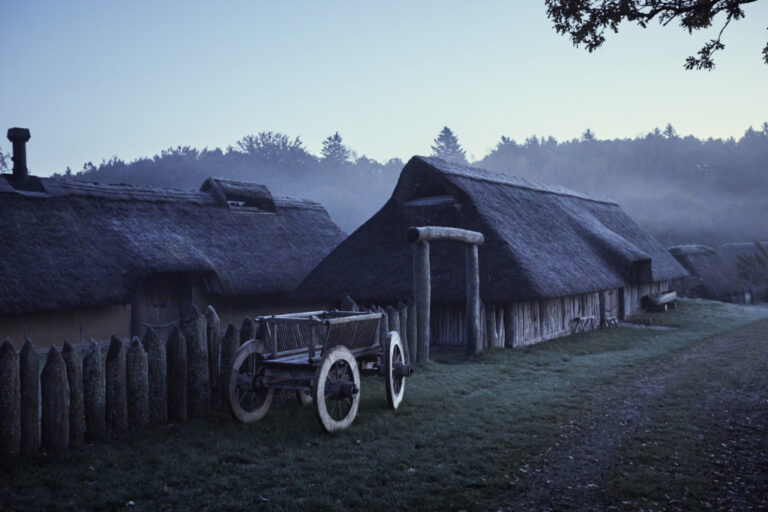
(422, 297)
(509, 325)
(474, 340)
(29, 381)
(248, 331)
(76, 407)
(383, 326)
(54, 387)
(412, 330)
(10, 400)
(394, 319)
(198, 380)
(213, 338)
(176, 353)
(137, 384)
(490, 325)
(94, 398)
(500, 327)
(402, 311)
(116, 397)
(228, 347)
(156, 377)
(348, 304)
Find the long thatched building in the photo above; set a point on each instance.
(82, 260)
(710, 275)
(550, 254)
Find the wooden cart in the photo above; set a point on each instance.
(320, 355)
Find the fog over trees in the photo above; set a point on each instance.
(683, 189)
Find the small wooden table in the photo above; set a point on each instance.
(580, 323)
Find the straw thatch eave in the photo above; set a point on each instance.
(81, 244)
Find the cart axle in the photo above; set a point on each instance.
(402, 370)
(341, 389)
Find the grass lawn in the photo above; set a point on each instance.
(467, 430)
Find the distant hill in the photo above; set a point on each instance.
(683, 189)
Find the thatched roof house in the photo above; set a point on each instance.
(548, 255)
(711, 277)
(86, 260)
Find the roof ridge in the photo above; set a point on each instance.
(471, 172)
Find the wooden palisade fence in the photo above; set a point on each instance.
(88, 395)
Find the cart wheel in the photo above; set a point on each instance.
(304, 397)
(336, 390)
(394, 381)
(248, 400)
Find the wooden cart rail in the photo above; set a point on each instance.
(314, 333)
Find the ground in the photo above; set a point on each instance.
(626, 419)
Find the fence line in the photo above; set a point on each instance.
(86, 395)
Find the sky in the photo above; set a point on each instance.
(94, 79)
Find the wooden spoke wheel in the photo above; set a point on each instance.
(336, 390)
(394, 380)
(249, 399)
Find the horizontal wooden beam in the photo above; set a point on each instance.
(427, 233)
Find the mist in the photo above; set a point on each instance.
(682, 189)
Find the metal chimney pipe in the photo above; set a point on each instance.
(19, 138)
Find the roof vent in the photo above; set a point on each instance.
(20, 179)
(240, 194)
(19, 138)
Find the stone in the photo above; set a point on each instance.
(156, 377)
(54, 388)
(116, 393)
(137, 385)
(10, 400)
(94, 396)
(29, 380)
(76, 404)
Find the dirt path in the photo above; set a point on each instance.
(702, 416)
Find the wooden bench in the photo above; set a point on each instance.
(580, 323)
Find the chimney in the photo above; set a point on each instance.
(19, 138)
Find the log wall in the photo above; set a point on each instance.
(517, 323)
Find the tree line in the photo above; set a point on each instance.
(682, 188)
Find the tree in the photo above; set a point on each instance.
(448, 148)
(586, 21)
(588, 136)
(3, 160)
(334, 151)
(754, 267)
(669, 131)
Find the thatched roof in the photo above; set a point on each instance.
(83, 244)
(711, 277)
(540, 240)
